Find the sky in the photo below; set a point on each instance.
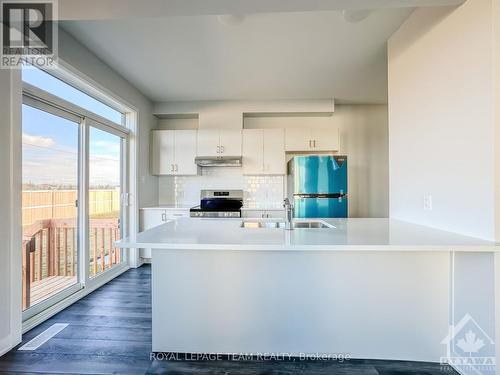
(45, 81)
(50, 143)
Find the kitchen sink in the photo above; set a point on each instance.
(279, 224)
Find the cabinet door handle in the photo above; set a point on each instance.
(314, 143)
(310, 144)
(218, 149)
(221, 149)
(164, 217)
(177, 167)
(171, 167)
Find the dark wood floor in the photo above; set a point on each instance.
(109, 332)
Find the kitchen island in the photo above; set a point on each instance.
(366, 288)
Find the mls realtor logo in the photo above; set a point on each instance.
(470, 349)
(28, 33)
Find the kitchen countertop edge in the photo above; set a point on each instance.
(347, 235)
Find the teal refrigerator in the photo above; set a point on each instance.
(317, 184)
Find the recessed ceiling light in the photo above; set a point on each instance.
(230, 19)
(356, 15)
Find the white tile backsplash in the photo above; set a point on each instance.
(259, 191)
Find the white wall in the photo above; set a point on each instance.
(496, 98)
(444, 140)
(441, 133)
(10, 233)
(363, 137)
(5, 191)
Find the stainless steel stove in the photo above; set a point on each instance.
(219, 203)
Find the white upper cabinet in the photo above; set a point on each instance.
(325, 139)
(253, 151)
(264, 151)
(162, 152)
(219, 142)
(230, 142)
(274, 151)
(173, 152)
(208, 142)
(185, 152)
(297, 139)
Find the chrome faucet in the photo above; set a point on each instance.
(289, 214)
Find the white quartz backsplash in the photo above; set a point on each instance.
(259, 191)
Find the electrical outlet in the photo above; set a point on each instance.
(428, 202)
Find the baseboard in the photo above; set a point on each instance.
(146, 260)
(5, 345)
(58, 307)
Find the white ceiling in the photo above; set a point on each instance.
(294, 55)
(119, 9)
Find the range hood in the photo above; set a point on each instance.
(218, 161)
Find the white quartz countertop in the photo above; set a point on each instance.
(347, 234)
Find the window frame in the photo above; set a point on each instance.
(43, 96)
(71, 77)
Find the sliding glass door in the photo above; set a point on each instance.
(74, 199)
(50, 191)
(106, 177)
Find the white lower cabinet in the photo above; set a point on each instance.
(152, 217)
(263, 214)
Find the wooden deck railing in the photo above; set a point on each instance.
(50, 249)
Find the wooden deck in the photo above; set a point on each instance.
(49, 286)
(50, 255)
